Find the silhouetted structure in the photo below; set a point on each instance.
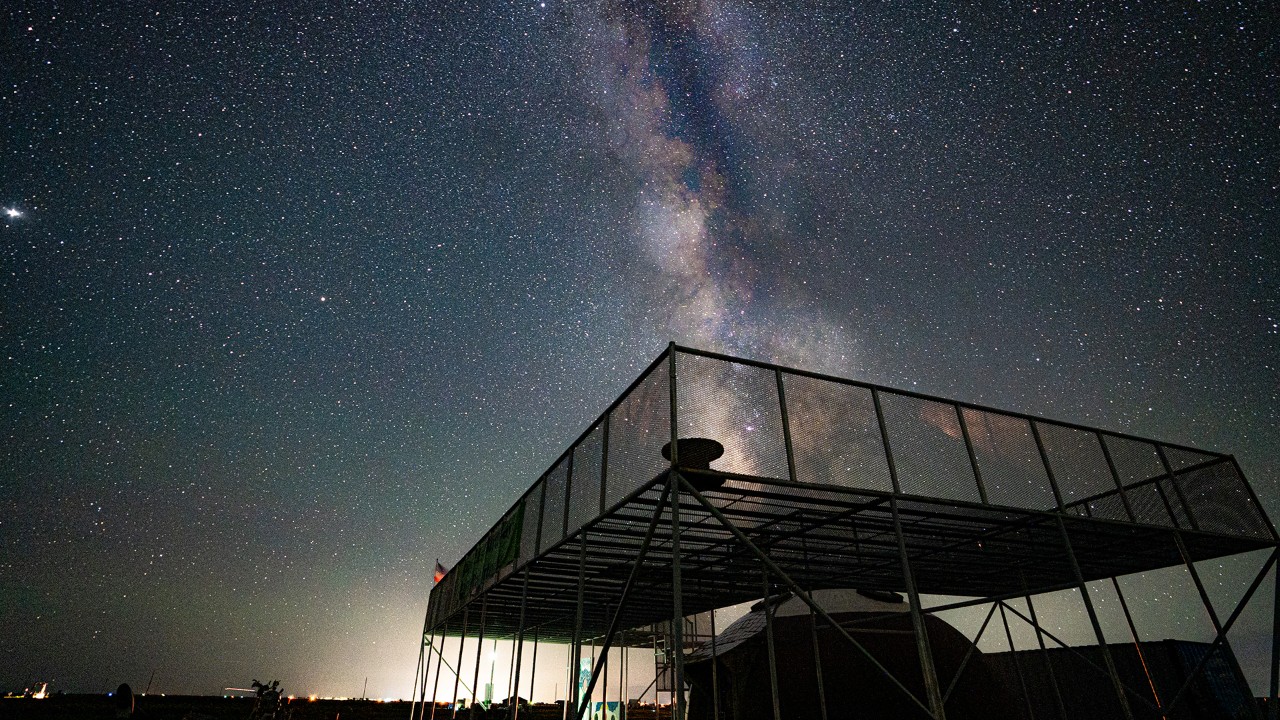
(1218, 692)
(266, 705)
(715, 481)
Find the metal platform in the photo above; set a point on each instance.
(828, 483)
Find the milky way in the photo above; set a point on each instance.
(301, 297)
(670, 84)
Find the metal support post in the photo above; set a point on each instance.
(768, 636)
(533, 665)
(1044, 651)
(927, 669)
(817, 664)
(435, 686)
(677, 599)
(1093, 620)
(786, 429)
(420, 699)
(575, 656)
(1078, 575)
(1137, 643)
(973, 457)
(586, 693)
(512, 687)
(714, 671)
(677, 591)
(475, 681)
(417, 671)
(715, 674)
(457, 675)
(656, 671)
(1195, 578)
(513, 710)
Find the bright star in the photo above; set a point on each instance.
(13, 212)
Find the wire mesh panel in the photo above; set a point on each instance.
(1171, 497)
(736, 405)
(1012, 471)
(439, 605)
(448, 588)
(584, 485)
(502, 553)
(553, 504)
(1220, 502)
(835, 436)
(1135, 460)
(638, 428)
(1081, 471)
(532, 516)
(1151, 505)
(928, 448)
(1180, 459)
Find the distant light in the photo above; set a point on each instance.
(13, 212)
(312, 698)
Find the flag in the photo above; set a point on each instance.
(440, 571)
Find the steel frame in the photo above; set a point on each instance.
(803, 536)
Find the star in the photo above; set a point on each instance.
(13, 213)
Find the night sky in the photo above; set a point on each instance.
(295, 301)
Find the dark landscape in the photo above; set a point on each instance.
(204, 707)
(195, 707)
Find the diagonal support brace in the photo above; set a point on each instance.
(1222, 634)
(795, 588)
(622, 601)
